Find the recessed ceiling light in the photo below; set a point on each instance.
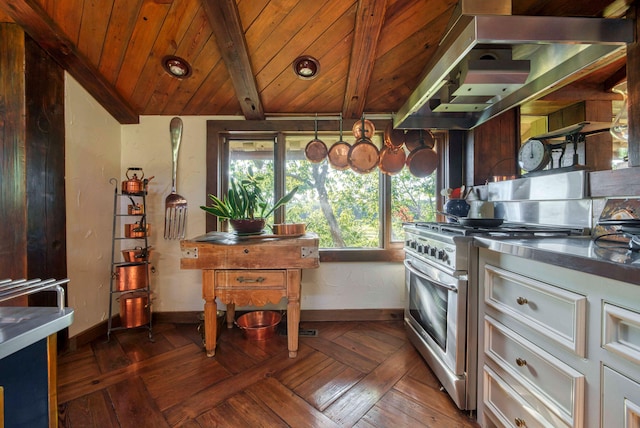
(176, 66)
(306, 67)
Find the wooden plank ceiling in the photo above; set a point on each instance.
(371, 52)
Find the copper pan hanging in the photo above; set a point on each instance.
(339, 153)
(422, 160)
(415, 138)
(363, 155)
(316, 150)
(391, 160)
(393, 138)
(366, 125)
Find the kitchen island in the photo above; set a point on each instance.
(558, 332)
(250, 271)
(28, 364)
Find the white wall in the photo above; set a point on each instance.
(92, 157)
(147, 145)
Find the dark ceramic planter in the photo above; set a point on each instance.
(247, 225)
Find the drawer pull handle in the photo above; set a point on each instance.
(520, 423)
(243, 279)
(521, 362)
(522, 301)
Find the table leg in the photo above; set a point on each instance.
(231, 314)
(210, 312)
(293, 310)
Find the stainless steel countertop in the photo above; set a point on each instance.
(24, 326)
(577, 253)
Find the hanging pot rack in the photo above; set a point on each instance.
(364, 156)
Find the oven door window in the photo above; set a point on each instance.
(428, 305)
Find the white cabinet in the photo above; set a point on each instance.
(557, 347)
(554, 312)
(620, 400)
(550, 386)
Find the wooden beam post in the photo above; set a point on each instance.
(35, 22)
(369, 20)
(224, 19)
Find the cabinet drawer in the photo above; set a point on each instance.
(620, 400)
(506, 407)
(556, 313)
(251, 278)
(552, 382)
(621, 332)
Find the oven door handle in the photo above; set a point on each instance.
(413, 269)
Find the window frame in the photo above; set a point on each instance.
(217, 155)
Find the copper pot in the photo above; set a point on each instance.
(422, 161)
(391, 160)
(496, 178)
(363, 129)
(289, 229)
(137, 230)
(338, 155)
(416, 138)
(316, 151)
(363, 156)
(131, 277)
(134, 309)
(393, 138)
(137, 254)
(135, 209)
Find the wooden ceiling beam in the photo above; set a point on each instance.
(580, 91)
(369, 20)
(41, 28)
(619, 76)
(225, 22)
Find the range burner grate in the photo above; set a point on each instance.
(506, 229)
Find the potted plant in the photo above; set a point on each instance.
(245, 206)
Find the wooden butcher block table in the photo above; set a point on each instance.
(250, 271)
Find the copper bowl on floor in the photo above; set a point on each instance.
(259, 325)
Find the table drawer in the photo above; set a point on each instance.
(551, 381)
(507, 408)
(554, 312)
(251, 279)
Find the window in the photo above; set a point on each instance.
(356, 216)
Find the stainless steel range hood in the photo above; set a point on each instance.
(490, 61)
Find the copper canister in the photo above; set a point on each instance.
(134, 309)
(131, 277)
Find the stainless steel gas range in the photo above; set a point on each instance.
(442, 298)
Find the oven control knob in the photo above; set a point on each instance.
(420, 248)
(432, 251)
(441, 255)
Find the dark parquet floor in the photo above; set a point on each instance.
(353, 374)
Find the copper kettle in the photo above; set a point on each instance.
(134, 185)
